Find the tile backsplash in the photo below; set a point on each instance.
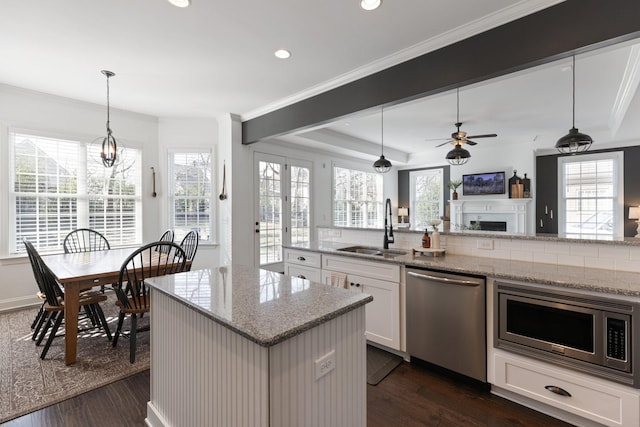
(578, 254)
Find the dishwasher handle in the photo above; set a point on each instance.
(446, 280)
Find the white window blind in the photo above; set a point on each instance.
(60, 185)
(357, 198)
(190, 175)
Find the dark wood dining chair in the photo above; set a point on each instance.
(151, 260)
(190, 246)
(54, 301)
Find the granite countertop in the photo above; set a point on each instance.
(263, 306)
(589, 279)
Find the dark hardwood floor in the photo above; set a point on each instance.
(411, 396)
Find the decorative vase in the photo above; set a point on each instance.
(454, 196)
(426, 240)
(435, 240)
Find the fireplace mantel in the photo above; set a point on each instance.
(515, 212)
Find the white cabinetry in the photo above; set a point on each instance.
(303, 264)
(598, 400)
(380, 280)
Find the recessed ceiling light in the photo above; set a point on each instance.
(180, 3)
(282, 53)
(370, 4)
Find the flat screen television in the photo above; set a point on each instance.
(478, 184)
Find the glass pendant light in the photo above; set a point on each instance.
(575, 141)
(109, 151)
(458, 156)
(382, 165)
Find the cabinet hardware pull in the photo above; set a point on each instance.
(301, 258)
(357, 285)
(546, 210)
(300, 276)
(551, 213)
(351, 283)
(541, 225)
(557, 390)
(257, 231)
(444, 279)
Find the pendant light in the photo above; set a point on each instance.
(382, 165)
(109, 151)
(458, 156)
(575, 141)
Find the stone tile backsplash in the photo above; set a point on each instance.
(593, 255)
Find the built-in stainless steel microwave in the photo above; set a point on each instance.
(585, 332)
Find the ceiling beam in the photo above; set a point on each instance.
(626, 91)
(568, 28)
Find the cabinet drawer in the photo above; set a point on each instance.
(375, 269)
(310, 259)
(303, 272)
(591, 398)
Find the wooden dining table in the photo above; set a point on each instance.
(80, 271)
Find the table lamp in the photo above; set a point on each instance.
(634, 213)
(403, 212)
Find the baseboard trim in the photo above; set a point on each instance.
(154, 418)
(18, 303)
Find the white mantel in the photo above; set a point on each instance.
(515, 212)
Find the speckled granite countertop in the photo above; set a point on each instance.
(263, 306)
(590, 279)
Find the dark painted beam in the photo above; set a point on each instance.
(573, 26)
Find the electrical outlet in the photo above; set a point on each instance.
(485, 244)
(325, 364)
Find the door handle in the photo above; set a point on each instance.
(301, 258)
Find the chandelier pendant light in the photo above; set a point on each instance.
(458, 156)
(382, 165)
(575, 141)
(109, 151)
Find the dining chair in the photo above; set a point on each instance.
(40, 315)
(190, 246)
(85, 240)
(154, 259)
(54, 301)
(167, 236)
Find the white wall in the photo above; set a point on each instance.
(29, 110)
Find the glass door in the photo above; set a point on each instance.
(283, 207)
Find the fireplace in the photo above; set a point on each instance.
(489, 215)
(489, 225)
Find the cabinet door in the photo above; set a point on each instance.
(546, 194)
(383, 313)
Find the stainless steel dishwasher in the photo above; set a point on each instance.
(446, 323)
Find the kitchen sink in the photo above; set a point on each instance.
(370, 250)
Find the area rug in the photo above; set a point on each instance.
(28, 383)
(380, 363)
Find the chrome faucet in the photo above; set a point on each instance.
(388, 238)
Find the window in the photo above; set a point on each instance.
(426, 196)
(190, 177)
(357, 198)
(591, 192)
(60, 185)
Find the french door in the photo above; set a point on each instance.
(283, 207)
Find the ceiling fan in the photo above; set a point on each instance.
(460, 137)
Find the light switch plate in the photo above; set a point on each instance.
(325, 364)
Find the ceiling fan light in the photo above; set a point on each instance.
(382, 165)
(370, 4)
(574, 142)
(458, 156)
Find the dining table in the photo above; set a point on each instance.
(78, 272)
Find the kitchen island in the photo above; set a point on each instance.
(239, 346)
